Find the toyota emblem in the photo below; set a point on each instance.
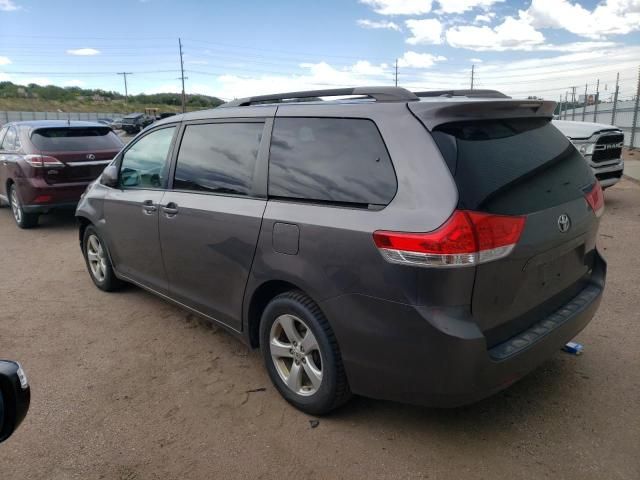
(564, 223)
(91, 156)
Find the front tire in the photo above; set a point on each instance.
(98, 262)
(23, 220)
(301, 354)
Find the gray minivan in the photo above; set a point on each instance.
(428, 247)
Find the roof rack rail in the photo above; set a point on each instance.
(482, 93)
(379, 94)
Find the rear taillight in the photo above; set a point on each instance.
(466, 238)
(42, 161)
(595, 199)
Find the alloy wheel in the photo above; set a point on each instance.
(97, 258)
(15, 206)
(295, 353)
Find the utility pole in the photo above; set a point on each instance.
(396, 72)
(473, 72)
(584, 106)
(560, 107)
(595, 107)
(126, 93)
(634, 125)
(184, 103)
(615, 101)
(573, 103)
(566, 97)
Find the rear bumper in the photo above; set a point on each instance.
(37, 196)
(439, 356)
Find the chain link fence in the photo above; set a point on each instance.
(624, 115)
(6, 117)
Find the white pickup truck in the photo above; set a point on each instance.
(600, 145)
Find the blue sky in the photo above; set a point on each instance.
(523, 47)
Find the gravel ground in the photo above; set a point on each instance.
(126, 386)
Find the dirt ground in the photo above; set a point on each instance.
(126, 386)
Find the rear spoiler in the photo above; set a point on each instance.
(432, 114)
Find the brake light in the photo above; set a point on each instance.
(466, 238)
(595, 199)
(42, 161)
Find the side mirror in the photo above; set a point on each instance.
(15, 397)
(109, 176)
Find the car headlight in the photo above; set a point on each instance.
(586, 148)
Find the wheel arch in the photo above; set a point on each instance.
(260, 298)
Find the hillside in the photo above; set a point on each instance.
(37, 98)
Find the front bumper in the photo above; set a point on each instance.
(609, 174)
(438, 356)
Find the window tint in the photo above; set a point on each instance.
(9, 142)
(218, 158)
(144, 165)
(512, 166)
(76, 139)
(331, 160)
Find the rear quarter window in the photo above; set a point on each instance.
(75, 139)
(333, 160)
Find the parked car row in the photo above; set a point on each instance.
(429, 247)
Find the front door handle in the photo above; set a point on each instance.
(149, 207)
(170, 209)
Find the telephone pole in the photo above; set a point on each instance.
(573, 103)
(566, 97)
(126, 93)
(595, 106)
(184, 103)
(473, 71)
(584, 106)
(396, 76)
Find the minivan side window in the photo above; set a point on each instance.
(218, 158)
(335, 160)
(144, 165)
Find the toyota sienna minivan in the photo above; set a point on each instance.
(428, 247)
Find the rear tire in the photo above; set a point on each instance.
(301, 354)
(23, 220)
(98, 261)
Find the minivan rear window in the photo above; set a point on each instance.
(75, 139)
(331, 160)
(512, 166)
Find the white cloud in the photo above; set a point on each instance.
(4, 61)
(419, 60)
(399, 7)
(425, 31)
(484, 17)
(378, 25)
(83, 52)
(74, 83)
(611, 17)
(8, 6)
(461, 6)
(512, 34)
(475, 60)
(363, 67)
(550, 77)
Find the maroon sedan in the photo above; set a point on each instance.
(47, 164)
